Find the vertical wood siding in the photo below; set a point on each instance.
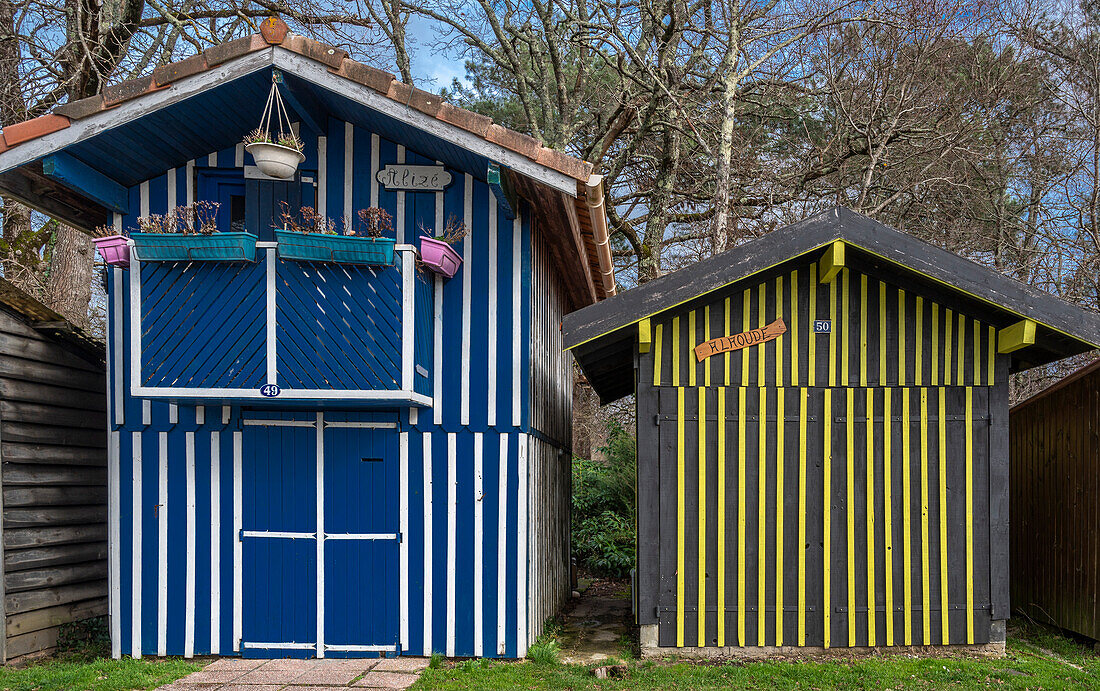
(485, 518)
(821, 489)
(1055, 519)
(53, 443)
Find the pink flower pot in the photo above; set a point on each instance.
(114, 249)
(439, 256)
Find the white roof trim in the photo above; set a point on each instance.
(303, 67)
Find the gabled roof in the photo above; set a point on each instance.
(50, 324)
(141, 127)
(603, 336)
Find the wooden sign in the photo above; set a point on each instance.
(738, 341)
(414, 178)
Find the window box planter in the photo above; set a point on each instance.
(439, 256)
(177, 247)
(337, 249)
(114, 249)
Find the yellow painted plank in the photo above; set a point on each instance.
(762, 349)
(691, 343)
(706, 337)
(645, 336)
(1017, 336)
(961, 361)
(945, 612)
(969, 515)
(948, 327)
(657, 341)
(762, 517)
(863, 329)
(680, 518)
(991, 357)
(811, 365)
(832, 261)
(745, 352)
(832, 333)
(935, 345)
(726, 332)
(849, 506)
(977, 353)
(793, 332)
(888, 508)
(675, 351)
(906, 515)
(926, 608)
(845, 349)
(701, 619)
(872, 611)
(742, 519)
(901, 338)
(778, 343)
(881, 333)
(918, 342)
(780, 448)
(802, 441)
(826, 518)
(720, 571)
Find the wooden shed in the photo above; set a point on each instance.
(53, 450)
(319, 446)
(1056, 504)
(822, 419)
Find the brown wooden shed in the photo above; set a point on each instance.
(53, 474)
(1055, 480)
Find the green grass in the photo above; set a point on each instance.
(1037, 658)
(96, 674)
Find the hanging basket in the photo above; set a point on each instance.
(275, 160)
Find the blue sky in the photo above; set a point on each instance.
(432, 69)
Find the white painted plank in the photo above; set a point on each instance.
(452, 515)
(172, 181)
(135, 331)
(135, 543)
(521, 558)
(349, 151)
(215, 542)
(189, 577)
(408, 320)
(143, 198)
(437, 351)
(502, 545)
(225, 414)
(320, 462)
(212, 159)
(114, 569)
(190, 182)
(238, 155)
(403, 551)
(118, 343)
(173, 413)
(272, 339)
(467, 277)
(517, 319)
(162, 544)
(375, 150)
(322, 176)
(400, 193)
(479, 544)
(146, 412)
(200, 415)
(427, 497)
(492, 358)
(238, 522)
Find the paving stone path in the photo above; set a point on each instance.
(232, 674)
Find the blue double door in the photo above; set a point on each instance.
(320, 536)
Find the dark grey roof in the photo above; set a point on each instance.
(599, 333)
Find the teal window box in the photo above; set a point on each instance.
(337, 249)
(177, 247)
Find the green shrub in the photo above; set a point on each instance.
(88, 638)
(544, 651)
(604, 500)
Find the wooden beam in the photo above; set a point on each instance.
(645, 336)
(86, 181)
(1019, 335)
(831, 262)
(501, 185)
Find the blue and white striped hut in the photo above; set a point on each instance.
(313, 451)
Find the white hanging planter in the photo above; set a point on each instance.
(275, 160)
(273, 157)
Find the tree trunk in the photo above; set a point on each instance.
(720, 231)
(69, 289)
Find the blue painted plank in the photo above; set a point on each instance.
(89, 182)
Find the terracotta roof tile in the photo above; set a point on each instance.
(468, 120)
(399, 91)
(274, 30)
(81, 108)
(127, 90)
(514, 141)
(425, 101)
(315, 50)
(366, 75)
(216, 55)
(166, 74)
(572, 166)
(32, 129)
